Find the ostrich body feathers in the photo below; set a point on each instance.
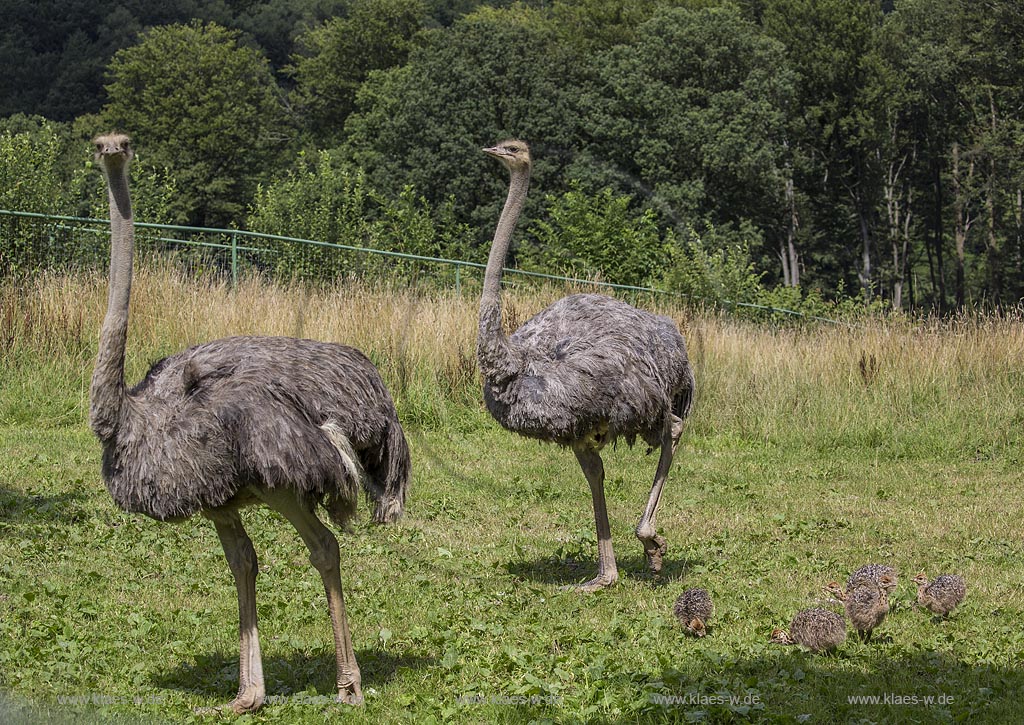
(591, 365)
(819, 630)
(277, 412)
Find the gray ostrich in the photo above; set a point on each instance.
(581, 373)
(244, 420)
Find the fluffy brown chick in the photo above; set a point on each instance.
(693, 609)
(875, 571)
(942, 595)
(866, 601)
(819, 630)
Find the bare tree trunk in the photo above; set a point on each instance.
(938, 271)
(790, 260)
(903, 254)
(992, 247)
(962, 219)
(1017, 253)
(1018, 218)
(898, 216)
(864, 274)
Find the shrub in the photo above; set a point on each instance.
(596, 236)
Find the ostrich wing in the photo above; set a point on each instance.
(213, 419)
(592, 362)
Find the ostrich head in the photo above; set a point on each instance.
(113, 150)
(696, 627)
(781, 636)
(887, 582)
(921, 580)
(835, 590)
(513, 153)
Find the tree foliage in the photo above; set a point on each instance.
(44, 170)
(30, 179)
(596, 236)
(339, 54)
(839, 125)
(328, 201)
(838, 145)
(58, 50)
(722, 275)
(692, 116)
(204, 106)
(493, 75)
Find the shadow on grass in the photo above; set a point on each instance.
(18, 506)
(216, 674)
(567, 571)
(795, 686)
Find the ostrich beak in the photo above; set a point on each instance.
(495, 151)
(111, 148)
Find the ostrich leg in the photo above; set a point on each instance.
(325, 558)
(593, 469)
(241, 556)
(654, 545)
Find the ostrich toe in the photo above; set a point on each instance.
(248, 700)
(654, 550)
(599, 582)
(350, 694)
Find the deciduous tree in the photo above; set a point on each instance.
(200, 103)
(339, 54)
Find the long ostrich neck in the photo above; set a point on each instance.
(108, 392)
(494, 354)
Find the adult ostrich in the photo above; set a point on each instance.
(581, 373)
(244, 420)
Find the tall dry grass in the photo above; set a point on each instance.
(889, 383)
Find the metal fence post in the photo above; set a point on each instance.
(458, 281)
(234, 260)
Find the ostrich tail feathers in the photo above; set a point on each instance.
(683, 402)
(389, 480)
(341, 501)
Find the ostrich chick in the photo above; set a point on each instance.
(875, 571)
(819, 630)
(942, 595)
(866, 602)
(693, 609)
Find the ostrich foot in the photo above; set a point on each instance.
(654, 549)
(350, 695)
(598, 582)
(249, 700)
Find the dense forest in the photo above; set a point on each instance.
(784, 149)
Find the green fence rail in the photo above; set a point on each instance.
(52, 241)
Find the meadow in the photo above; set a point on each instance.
(812, 449)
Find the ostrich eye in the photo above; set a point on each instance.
(514, 149)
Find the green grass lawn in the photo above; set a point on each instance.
(811, 451)
(457, 612)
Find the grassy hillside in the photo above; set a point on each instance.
(810, 452)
